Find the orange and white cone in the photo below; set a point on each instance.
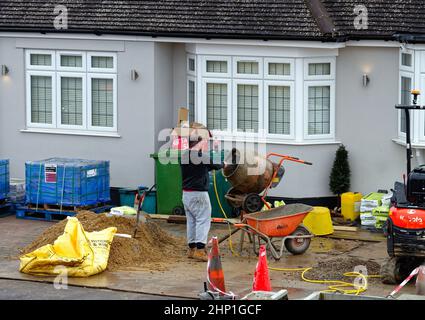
(215, 272)
(261, 276)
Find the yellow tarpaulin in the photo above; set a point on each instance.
(81, 253)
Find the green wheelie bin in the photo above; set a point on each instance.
(168, 181)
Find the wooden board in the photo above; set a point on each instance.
(359, 235)
(344, 228)
(178, 219)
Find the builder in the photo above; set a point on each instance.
(195, 167)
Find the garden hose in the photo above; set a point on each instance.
(225, 215)
(337, 285)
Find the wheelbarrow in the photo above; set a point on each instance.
(282, 223)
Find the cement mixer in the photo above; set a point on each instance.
(252, 176)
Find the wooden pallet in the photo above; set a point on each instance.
(58, 207)
(28, 213)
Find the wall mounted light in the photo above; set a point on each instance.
(366, 80)
(134, 75)
(4, 70)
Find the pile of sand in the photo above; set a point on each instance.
(153, 248)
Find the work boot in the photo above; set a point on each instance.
(200, 255)
(190, 253)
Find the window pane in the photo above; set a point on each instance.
(247, 108)
(280, 69)
(217, 106)
(191, 101)
(319, 98)
(41, 99)
(102, 103)
(319, 69)
(40, 59)
(72, 101)
(406, 87)
(279, 110)
(406, 59)
(102, 62)
(72, 61)
(191, 64)
(217, 66)
(247, 67)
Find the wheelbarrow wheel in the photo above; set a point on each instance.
(298, 246)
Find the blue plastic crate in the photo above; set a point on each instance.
(67, 182)
(4, 179)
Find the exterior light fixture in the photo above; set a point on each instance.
(366, 80)
(134, 75)
(4, 70)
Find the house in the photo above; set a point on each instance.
(101, 79)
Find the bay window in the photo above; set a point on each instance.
(255, 97)
(71, 90)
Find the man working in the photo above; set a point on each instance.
(195, 166)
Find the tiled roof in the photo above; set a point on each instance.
(264, 19)
(241, 18)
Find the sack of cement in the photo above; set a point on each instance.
(17, 190)
(123, 211)
(381, 211)
(386, 200)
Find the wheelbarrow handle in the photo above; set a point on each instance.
(219, 220)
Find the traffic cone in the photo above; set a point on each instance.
(420, 281)
(215, 270)
(261, 276)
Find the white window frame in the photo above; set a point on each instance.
(51, 74)
(291, 63)
(203, 105)
(407, 68)
(192, 78)
(227, 74)
(71, 53)
(90, 69)
(259, 83)
(90, 127)
(421, 114)
(29, 66)
(330, 60)
(331, 134)
(59, 76)
(411, 76)
(190, 72)
(291, 86)
(247, 75)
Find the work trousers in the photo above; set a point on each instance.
(198, 215)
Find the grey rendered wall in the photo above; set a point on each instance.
(366, 117)
(129, 154)
(164, 91)
(180, 78)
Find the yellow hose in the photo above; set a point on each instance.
(224, 213)
(337, 285)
